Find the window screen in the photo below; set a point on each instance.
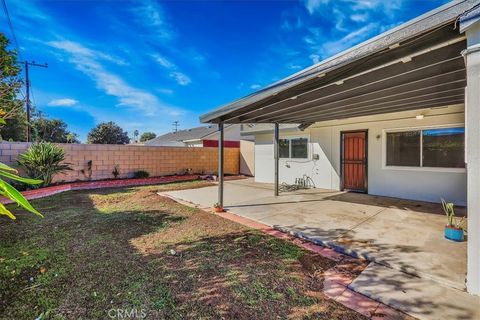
(299, 148)
(284, 148)
(403, 148)
(444, 148)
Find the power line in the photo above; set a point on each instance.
(10, 25)
(15, 41)
(34, 104)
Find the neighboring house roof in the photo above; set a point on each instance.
(332, 69)
(179, 137)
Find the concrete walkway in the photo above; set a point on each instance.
(403, 237)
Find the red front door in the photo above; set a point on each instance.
(354, 160)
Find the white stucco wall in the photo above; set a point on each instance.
(429, 184)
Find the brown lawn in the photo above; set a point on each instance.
(130, 252)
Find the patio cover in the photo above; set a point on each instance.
(415, 65)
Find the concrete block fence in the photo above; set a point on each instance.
(157, 161)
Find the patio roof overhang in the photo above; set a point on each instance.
(414, 66)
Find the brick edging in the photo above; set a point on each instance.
(86, 185)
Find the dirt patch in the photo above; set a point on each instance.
(312, 263)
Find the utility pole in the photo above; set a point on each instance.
(176, 124)
(27, 84)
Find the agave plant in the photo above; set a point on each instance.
(11, 193)
(43, 161)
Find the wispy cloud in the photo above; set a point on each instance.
(293, 66)
(314, 5)
(109, 82)
(64, 102)
(255, 86)
(387, 6)
(315, 58)
(332, 47)
(348, 22)
(152, 15)
(180, 77)
(164, 62)
(80, 50)
(359, 17)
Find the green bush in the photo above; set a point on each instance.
(43, 161)
(140, 174)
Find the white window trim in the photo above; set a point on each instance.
(410, 168)
(290, 147)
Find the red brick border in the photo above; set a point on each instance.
(85, 185)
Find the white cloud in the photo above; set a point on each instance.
(76, 48)
(255, 86)
(65, 102)
(293, 66)
(350, 22)
(314, 5)
(318, 6)
(111, 83)
(151, 15)
(352, 38)
(164, 62)
(181, 78)
(339, 17)
(387, 5)
(359, 17)
(292, 23)
(315, 58)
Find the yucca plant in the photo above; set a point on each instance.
(43, 161)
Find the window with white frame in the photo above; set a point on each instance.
(434, 148)
(293, 148)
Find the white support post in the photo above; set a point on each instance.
(221, 136)
(472, 145)
(276, 156)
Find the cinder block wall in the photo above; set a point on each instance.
(157, 161)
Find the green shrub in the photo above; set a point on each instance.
(116, 171)
(140, 174)
(43, 161)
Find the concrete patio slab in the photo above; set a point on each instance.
(421, 298)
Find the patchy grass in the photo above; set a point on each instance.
(134, 252)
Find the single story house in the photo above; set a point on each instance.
(205, 136)
(397, 115)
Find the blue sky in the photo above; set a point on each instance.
(145, 64)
